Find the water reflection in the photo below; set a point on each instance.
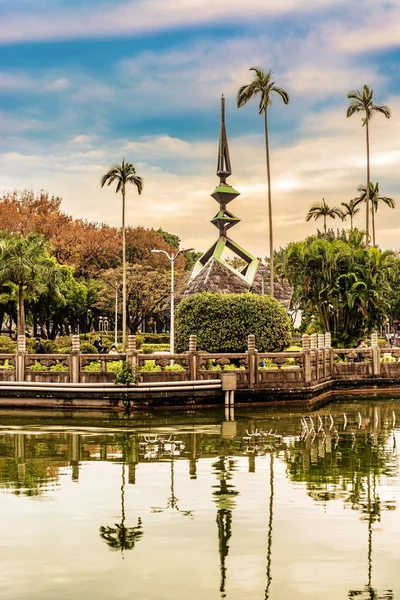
(339, 461)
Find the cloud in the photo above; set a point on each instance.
(140, 16)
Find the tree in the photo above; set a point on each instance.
(375, 200)
(263, 87)
(323, 210)
(350, 209)
(348, 288)
(362, 102)
(123, 174)
(25, 262)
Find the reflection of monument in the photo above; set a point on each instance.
(224, 495)
(212, 272)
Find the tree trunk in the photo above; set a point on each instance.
(368, 178)
(373, 224)
(271, 239)
(325, 223)
(21, 311)
(351, 222)
(123, 273)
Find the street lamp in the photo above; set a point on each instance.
(262, 270)
(172, 258)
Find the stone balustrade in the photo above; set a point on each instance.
(317, 363)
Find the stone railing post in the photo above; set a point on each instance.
(193, 359)
(305, 343)
(132, 353)
(321, 341)
(252, 358)
(313, 341)
(314, 350)
(376, 355)
(20, 358)
(374, 340)
(328, 347)
(75, 360)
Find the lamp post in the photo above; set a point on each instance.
(172, 258)
(116, 315)
(262, 270)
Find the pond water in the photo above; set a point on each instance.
(170, 506)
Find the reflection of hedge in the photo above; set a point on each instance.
(222, 322)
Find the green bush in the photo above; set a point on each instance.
(7, 346)
(6, 365)
(37, 366)
(93, 367)
(88, 348)
(175, 367)
(127, 375)
(114, 366)
(222, 322)
(155, 338)
(59, 367)
(150, 348)
(150, 365)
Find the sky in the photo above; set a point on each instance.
(84, 83)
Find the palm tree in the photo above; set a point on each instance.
(26, 263)
(361, 102)
(322, 209)
(375, 199)
(123, 174)
(350, 210)
(263, 87)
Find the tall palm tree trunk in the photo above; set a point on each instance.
(325, 223)
(368, 179)
(373, 224)
(123, 272)
(271, 239)
(351, 222)
(21, 311)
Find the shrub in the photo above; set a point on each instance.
(150, 365)
(175, 367)
(6, 365)
(59, 367)
(155, 338)
(37, 366)
(222, 322)
(7, 346)
(114, 366)
(150, 348)
(93, 367)
(127, 375)
(49, 346)
(88, 348)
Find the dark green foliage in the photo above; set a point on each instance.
(222, 322)
(154, 338)
(88, 348)
(127, 375)
(7, 346)
(344, 286)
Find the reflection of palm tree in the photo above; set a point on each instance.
(172, 500)
(271, 512)
(224, 495)
(373, 509)
(121, 537)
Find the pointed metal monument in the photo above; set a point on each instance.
(224, 219)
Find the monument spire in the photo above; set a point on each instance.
(224, 162)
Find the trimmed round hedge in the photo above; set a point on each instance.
(222, 322)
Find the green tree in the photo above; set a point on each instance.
(350, 209)
(376, 200)
(362, 102)
(348, 288)
(264, 88)
(122, 175)
(25, 262)
(322, 209)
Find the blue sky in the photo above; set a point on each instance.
(84, 83)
